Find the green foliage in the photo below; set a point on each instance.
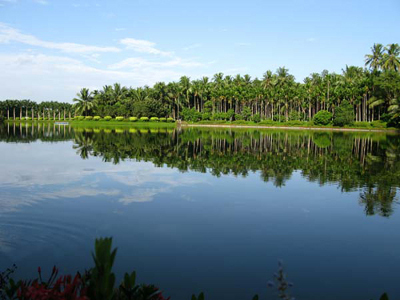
(88, 118)
(206, 116)
(294, 116)
(191, 115)
(163, 119)
(119, 119)
(246, 113)
(344, 114)
(144, 119)
(96, 118)
(154, 119)
(80, 118)
(102, 279)
(322, 117)
(133, 119)
(107, 118)
(170, 120)
(256, 118)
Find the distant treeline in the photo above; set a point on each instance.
(373, 92)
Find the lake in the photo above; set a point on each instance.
(210, 210)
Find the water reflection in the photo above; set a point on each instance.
(368, 162)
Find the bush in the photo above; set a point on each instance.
(170, 120)
(80, 118)
(295, 123)
(119, 119)
(96, 118)
(191, 115)
(344, 114)
(23, 119)
(206, 116)
(378, 124)
(154, 119)
(88, 118)
(361, 125)
(294, 116)
(163, 119)
(239, 122)
(27, 119)
(268, 122)
(323, 117)
(133, 119)
(256, 118)
(107, 118)
(144, 119)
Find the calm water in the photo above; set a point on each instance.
(206, 210)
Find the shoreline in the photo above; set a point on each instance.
(292, 127)
(184, 124)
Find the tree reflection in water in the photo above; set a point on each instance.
(368, 162)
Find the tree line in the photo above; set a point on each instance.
(373, 92)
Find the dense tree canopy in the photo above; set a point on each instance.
(373, 92)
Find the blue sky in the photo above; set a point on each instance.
(49, 49)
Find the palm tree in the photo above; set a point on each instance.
(375, 60)
(391, 59)
(84, 101)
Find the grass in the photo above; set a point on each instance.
(374, 126)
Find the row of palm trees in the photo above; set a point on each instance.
(13, 109)
(373, 91)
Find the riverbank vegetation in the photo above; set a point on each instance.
(365, 95)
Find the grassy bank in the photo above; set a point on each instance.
(356, 126)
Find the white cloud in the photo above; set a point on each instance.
(143, 46)
(38, 76)
(9, 34)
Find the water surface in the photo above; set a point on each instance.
(206, 210)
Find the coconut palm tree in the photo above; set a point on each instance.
(84, 101)
(391, 59)
(375, 59)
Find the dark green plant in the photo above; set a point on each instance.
(344, 114)
(323, 117)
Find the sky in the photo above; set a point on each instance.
(50, 49)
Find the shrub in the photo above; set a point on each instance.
(361, 125)
(80, 118)
(96, 118)
(295, 123)
(163, 119)
(154, 119)
(23, 118)
(246, 113)
(268, 122)
(206, 116)
(27, 119)
(119, 119)
(344, 114)
(107, 118)
(133, 119)
(378, 124)
(256, 118)
(238, 122)
(170, 120)
(323, 117)
(294, 116)
(88, 118)
(144, 119)
(191, 115)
